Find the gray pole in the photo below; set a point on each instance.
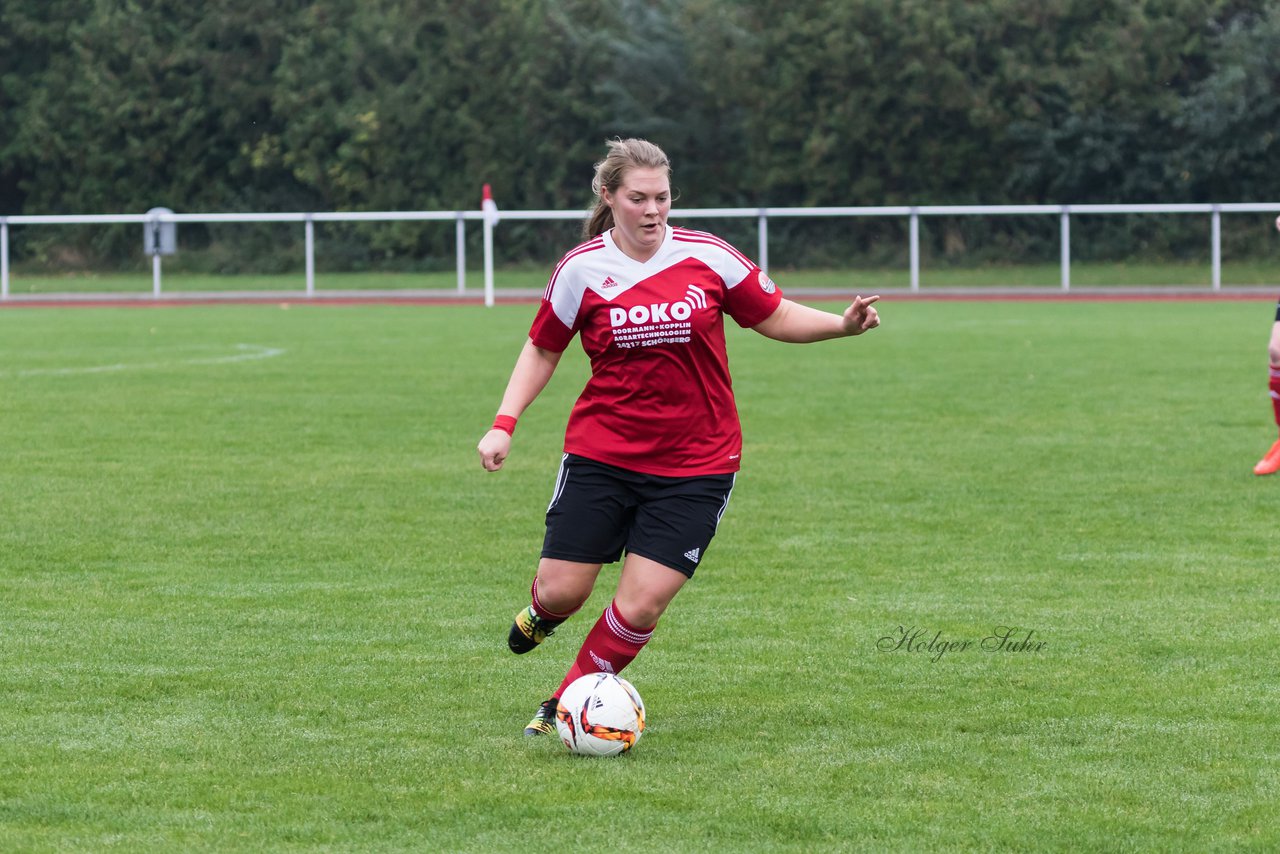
(1065, 230)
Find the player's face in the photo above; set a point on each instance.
(640, 207)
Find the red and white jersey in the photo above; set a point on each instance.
(660, 400)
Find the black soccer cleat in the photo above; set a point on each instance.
(529, 630)
(544, 722)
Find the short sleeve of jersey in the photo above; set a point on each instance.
(548, 331)
(753, 299)
(557, 320)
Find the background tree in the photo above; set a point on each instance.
(413, 104)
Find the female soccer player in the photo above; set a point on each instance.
(1270, 463)
(653, 443)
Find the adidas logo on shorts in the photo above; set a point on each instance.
(693, 554)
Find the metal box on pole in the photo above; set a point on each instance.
(159, 238)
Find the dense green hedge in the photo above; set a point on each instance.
(236, 105)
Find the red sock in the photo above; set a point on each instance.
(610, 646)
(1275, 392)
(543, 612)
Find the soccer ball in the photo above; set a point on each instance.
(600, 714)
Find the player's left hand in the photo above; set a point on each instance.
(861, 315)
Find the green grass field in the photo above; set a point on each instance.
(1047, 276)
(254, 590)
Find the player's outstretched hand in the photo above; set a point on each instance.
(494, 449)
(861, 315)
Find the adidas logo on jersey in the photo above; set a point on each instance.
(608, 282)
(693, 554)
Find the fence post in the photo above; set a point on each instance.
(488, 261)
(1064, 229)
(915, 249)
(311, 255)
(155, 259)
(763, 240)
(461, 241)
(1216, 239)
(4, 257)
(157, 242)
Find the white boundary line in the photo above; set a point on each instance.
(247, 353)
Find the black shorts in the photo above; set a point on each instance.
(598, 510)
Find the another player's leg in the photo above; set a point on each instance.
(1270, 463)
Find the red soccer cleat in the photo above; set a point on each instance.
(1270, 464)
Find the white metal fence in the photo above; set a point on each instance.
(762, 216)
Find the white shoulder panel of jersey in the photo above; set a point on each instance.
(728, 263)
(571, 279)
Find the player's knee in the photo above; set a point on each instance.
(641, 611)
(1273, 353)
(562, 600)
(562, 593)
